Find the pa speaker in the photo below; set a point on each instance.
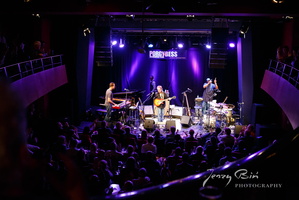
(169, 123)
(186, 120)
(149, 124)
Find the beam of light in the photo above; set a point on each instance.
(194, 59)
(136, 59)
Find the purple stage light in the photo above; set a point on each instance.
(180, 45)
(114, 42)
(232, 45)
(150, 45)
(121, 43)
(208, 46)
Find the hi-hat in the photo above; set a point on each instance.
(199, 99)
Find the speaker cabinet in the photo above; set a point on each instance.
(149, 124)
(169, 123)
(186, 120)
(148, 110)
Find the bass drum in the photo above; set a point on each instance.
(209, 121)
(229, 113)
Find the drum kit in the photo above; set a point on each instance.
(222, 113)
(218, 113)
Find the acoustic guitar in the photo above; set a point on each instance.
(158, 102)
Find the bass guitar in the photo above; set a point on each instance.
(158, 102)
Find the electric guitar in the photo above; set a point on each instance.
(158, 102)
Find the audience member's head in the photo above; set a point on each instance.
(144, 134)
(199, 150)
(227, 151)
(150, 139)
(191, 132)
(172, 129)
(118, 125)
(227, 131)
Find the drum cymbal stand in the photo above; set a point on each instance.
(240, 112)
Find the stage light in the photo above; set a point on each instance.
(243, 30)
(121, 44)
(190, 17)
(36, 15)
(277, 1)
(232, 45)
(150, 45)
(86, 31)
(208, 46)
(114, 42)
(180, 45)
(130, 17)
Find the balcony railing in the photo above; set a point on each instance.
(20, 70)
(288, 72)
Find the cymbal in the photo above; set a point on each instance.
(199, 99)
(230, 106)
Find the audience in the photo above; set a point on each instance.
(149, 146)
(94, 154)
(228, 157)
(226, 137)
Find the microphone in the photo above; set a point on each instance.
(126, 89)
(189, 89)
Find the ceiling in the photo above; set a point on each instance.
(158, 16)
(153, 7)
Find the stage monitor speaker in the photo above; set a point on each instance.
(177, 111)
(148, 110)
(149, 124)
(169, 123)
(186, 120)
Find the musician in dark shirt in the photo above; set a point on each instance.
(159, 101)
(208, 93)
(109, 102)
(152, 91)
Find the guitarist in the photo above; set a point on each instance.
(160, 95)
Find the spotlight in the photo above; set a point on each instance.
(243, 30)
(190, 17)
(121, 44)
(130, 17)
(86, 31)
(277, 1)
(180, 45)
(208, 46)
(36, 15)
(150, 45)
(114, 42)
(232, 45)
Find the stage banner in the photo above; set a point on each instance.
(169, 54)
